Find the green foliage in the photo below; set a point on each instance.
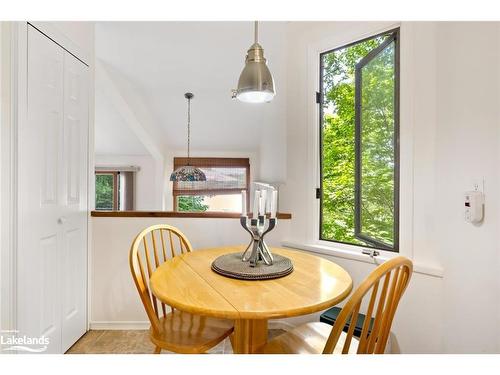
(104, 192)
(377, 147)
(191, 203)
(377, 150)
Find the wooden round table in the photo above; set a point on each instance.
(187, 283)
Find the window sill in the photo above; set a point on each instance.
(358, 256)
(213, 215)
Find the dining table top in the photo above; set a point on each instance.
(188, 283)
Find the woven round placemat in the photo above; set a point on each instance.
(231, 265)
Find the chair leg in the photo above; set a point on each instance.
(157, 350)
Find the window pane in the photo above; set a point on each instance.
(202, 203)
(191, 203)
(338, 148)
(104, 191)
(377, 148)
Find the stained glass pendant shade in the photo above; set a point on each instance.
(188, 173)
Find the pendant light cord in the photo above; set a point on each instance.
(189, 125)
(256, 31)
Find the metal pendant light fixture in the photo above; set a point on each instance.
(256, 83)
(188, 173)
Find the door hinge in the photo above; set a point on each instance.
(318, 97)
(318, 193)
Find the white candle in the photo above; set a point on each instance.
(263, 195)
(274, 203)
(243, 202)
(269, 201)
(255, 210)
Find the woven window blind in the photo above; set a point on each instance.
(224, 176)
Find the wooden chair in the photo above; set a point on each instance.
(175, 331)
(317, 337)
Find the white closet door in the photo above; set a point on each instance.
(40, 187)
(74, 199)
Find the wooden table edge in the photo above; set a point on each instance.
(277, 314)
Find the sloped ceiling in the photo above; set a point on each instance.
(112, 135)
(163, 60)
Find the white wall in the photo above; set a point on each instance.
(115, 301)
(113, 135)
(452, 81)
(467, 137)
(272, 148)
(147, 196)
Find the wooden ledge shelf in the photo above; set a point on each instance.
(212, 215)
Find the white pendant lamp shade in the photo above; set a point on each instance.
(256, 83)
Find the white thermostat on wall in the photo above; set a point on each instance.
(474, 206)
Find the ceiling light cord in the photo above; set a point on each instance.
(256, 31)
(188, 173)
(189, 126)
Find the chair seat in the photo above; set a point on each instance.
(182, 332)
(309, 338)
(330, 317)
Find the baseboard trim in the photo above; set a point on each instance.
(141, 325)
(119, 325)
(281, 324)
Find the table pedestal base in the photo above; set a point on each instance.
(249, 335)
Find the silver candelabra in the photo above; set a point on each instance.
(257, 228)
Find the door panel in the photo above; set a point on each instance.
(51, 148)
(49, 322)
(72, 128)
(71, 266)
(74, 271)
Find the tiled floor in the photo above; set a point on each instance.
(133, 342)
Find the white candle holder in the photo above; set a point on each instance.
(257, 228)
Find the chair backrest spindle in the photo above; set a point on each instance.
(172, 250)
(163, 245)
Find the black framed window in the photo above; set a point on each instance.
(359, 143)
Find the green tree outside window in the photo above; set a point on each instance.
(191, 203)
(377, 151)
